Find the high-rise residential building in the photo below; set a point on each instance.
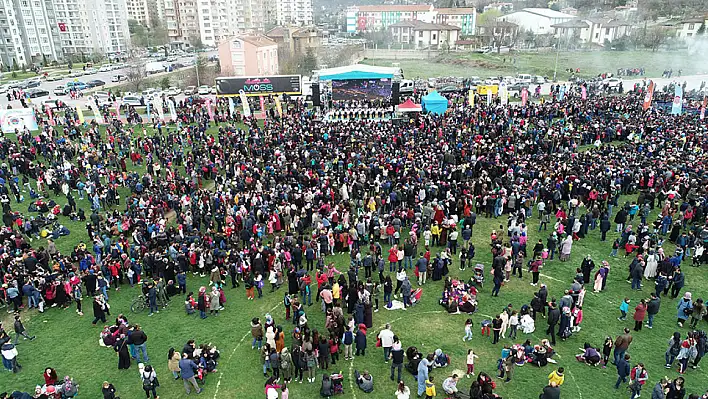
(293, 12)
(93, 26)
(208, 21)
(28, 32)
(212, 21)
(139, 10)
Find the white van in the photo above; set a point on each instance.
(523, 78)
(406, 87)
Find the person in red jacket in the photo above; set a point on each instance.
(393, 258)
(637, 378)
(640, 311)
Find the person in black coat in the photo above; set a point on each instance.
(293, 288)
(201, 303)
(553, 319)
(604, 227)
(620, 219)
(121, 347)
(360, 340)
(623, 370)
(543, 296)
(587, 266)
(109, 391)
(551, 391)
(99, 309)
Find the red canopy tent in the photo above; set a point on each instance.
(409, 106)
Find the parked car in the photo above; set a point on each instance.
(34, 82)
(3, 89)
(34, 93)
(60, 90)
(76, 74)
(76, 86)
(95, 83)
(190, 90)
(101, 94)
(539, 80)
(14, 84)
(173, 91)
(515, 89)
(55, 77)
(90, 71)
(524, 78)
(105, 68)
(448, 89)
(196, 99)
(204, 90)
(48, 102)
(133, 101)
(612, 82)
(148, 92)
(118, 78)
(93, 100)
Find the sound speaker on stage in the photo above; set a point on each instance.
(395, 95)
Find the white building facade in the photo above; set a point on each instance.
(93, 26)
(139, 10)
(293, 12)
(28, 32)
(537, 20)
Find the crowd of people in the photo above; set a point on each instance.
(256, 204)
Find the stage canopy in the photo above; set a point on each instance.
(435, 103)
(358, 71)
(409, 106)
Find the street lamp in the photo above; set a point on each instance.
(555, 69)
(196, 65)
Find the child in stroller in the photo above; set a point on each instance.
(332, 385)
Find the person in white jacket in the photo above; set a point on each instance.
(9, 356)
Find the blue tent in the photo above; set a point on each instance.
(434, 103)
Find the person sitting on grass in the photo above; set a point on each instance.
(364, 381)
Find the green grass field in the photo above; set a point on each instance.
(591, 63)
(69, 342)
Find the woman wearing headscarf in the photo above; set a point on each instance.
(566, 247)
(423, 368)
(685, 308)
(121, 347)
(214, 304)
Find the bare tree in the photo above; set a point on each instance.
(136, 76)
(656, 36)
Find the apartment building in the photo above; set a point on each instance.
(28, 32)
(463, 18)
(93, 26)
(139, 10)
(380, 17)
(212, 21)
(293, 12)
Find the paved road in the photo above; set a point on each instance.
(104, 76)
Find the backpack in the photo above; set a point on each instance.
(675, 348)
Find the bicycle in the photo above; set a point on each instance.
(141, 303)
